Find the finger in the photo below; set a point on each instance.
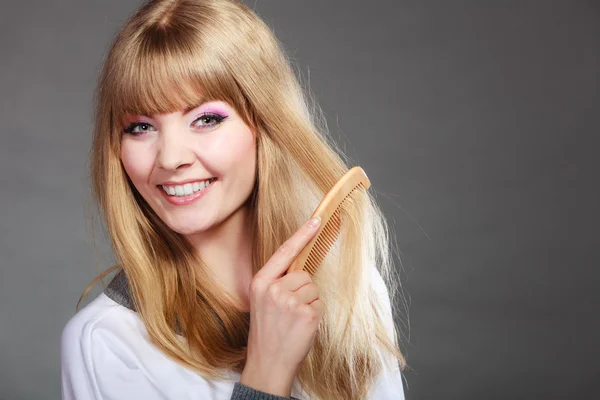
(318, 306)
(283, 257)
(295, 280)
(313, 312)
(307, 294)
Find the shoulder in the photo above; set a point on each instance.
(378, 283)
(389, 383)
(106, 353)
(96, 340)
(105, 328)
(102, 325)
(103, 315)
(380, 291)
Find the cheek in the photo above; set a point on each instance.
(136, 162)
(236, 150)
(242, 150)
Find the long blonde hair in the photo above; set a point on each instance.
(173, 54)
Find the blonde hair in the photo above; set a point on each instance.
(173, 54)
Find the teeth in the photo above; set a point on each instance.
(185, 190)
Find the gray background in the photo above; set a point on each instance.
(477, 123)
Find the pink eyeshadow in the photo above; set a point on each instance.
(216, 109)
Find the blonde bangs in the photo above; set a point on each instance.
(167, 70)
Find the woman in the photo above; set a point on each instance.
(205, 162)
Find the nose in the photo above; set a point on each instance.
(173, 152)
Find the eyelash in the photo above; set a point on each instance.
(129, 129)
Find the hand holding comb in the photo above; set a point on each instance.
(330, 211)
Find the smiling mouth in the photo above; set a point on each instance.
(186, 189)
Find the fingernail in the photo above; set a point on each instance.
(314, 222)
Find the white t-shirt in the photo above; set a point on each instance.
(106, 354)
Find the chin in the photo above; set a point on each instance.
(187, 230)
(184, 227)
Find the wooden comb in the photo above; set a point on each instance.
(329, 209)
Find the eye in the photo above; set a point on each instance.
(137, 128)
(208, 120)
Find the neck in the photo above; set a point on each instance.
(226, 249)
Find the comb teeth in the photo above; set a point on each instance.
(331, 209)
(328, 235)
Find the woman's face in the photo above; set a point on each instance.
(194, 167)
